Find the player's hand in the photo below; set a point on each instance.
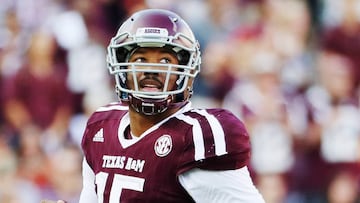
(50, 201)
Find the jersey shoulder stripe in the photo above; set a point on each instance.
(216, 133)
(112, 106)
(197, 133)
(208, 134)
(108, 112)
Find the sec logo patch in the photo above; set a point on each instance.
(163, 145)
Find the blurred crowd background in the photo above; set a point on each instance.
(290, 69)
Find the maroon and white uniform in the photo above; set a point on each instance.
(157, 166)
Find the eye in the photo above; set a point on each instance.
(139, 60)
(165, 60)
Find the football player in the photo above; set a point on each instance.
(153, 146)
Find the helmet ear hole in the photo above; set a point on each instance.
(183, 57)
(121, 54)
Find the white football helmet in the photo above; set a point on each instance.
(154, 28)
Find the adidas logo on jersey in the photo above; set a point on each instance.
(99, 136)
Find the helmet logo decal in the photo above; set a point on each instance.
(151, 32)
(163, 145)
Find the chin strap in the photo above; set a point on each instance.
(150, 107)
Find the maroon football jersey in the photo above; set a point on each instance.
(147, 170)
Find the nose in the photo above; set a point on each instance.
(150, 70)
(147, 73)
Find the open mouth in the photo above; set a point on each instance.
(150, 85)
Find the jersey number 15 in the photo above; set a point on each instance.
(120, 182)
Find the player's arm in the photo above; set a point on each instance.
(220, 186)
(88, 193)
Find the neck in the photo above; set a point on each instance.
(139, 123)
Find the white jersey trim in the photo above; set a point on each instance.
(125, 121)
(217, 130)
(198, 137)
(110, 108)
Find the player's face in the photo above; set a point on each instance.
(152, 81)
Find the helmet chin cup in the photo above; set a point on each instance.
(149, 107)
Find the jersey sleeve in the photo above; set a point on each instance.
(216, 140)
(220, 186)
(88, 192)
